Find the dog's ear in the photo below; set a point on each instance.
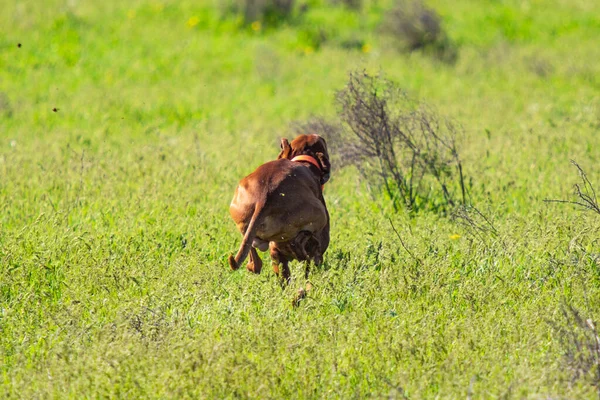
(286, 149)
(325, 167)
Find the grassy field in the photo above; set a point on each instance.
(125, 127)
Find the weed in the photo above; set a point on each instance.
(474, 221)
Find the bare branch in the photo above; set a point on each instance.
(585, 192)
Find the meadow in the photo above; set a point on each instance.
(125, 127)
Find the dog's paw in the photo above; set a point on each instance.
(299, 296)
(253, 268)
(232, 263)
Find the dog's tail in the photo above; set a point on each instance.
(249, 236)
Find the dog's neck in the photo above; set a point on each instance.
(311, 160)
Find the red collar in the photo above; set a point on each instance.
(311, 160)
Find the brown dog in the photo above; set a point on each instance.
(280, 207)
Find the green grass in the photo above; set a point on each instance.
(114, 224)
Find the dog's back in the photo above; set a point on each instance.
(282, 203)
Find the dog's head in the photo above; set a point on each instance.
(310, 145)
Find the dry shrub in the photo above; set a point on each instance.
(341, 150)
(580, 344)
(413, 27)
(351, 4)
(403, 143)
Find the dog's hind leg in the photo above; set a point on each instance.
(280, 259)
(300, 244)
(255, 263)
(312, 248)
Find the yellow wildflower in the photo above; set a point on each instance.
(256, 25)
(366, 48)
(454, 236)
(193, 21)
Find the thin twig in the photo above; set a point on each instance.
(403, 244)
